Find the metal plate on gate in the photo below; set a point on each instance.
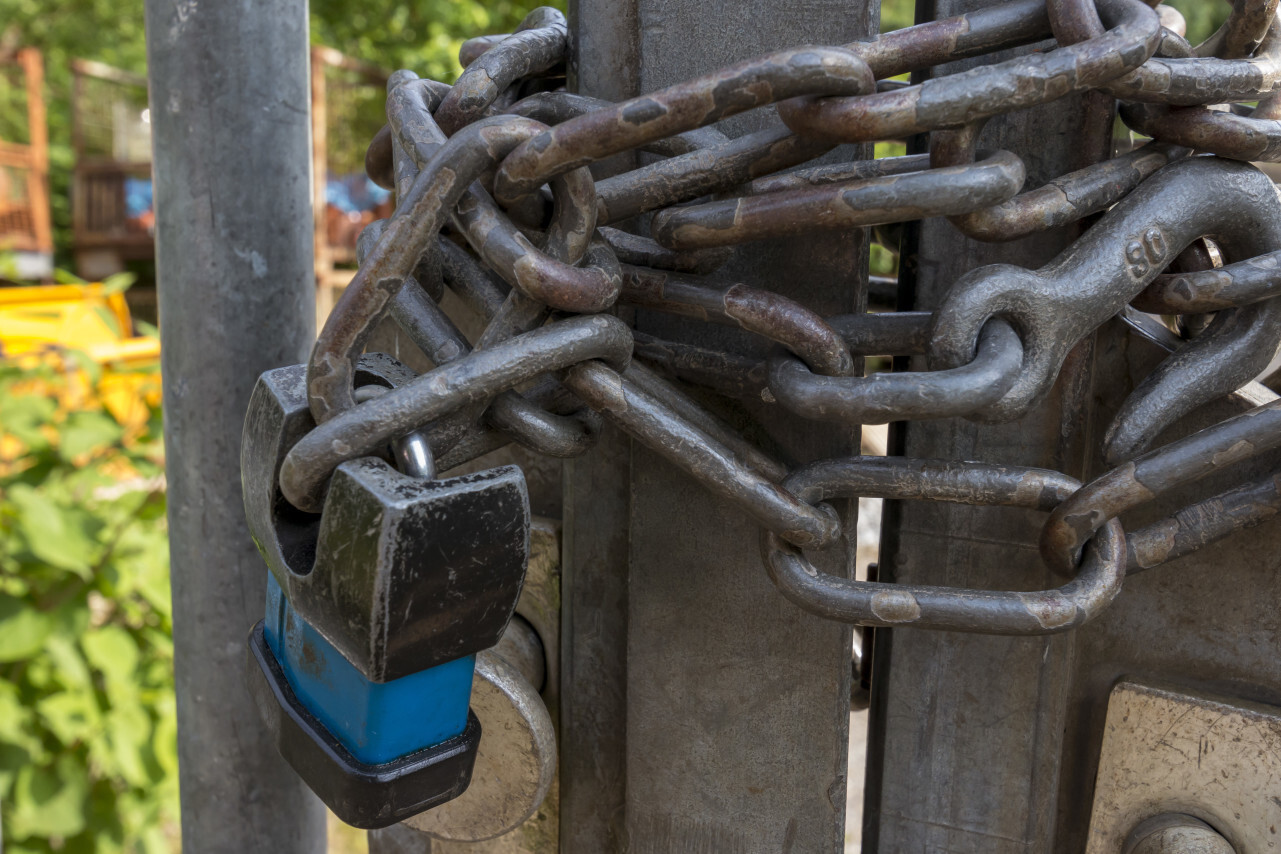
(1168, 752)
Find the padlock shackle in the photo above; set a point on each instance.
(480, 375)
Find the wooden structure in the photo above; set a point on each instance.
(25, 226)
(112, 215)
(347, 109)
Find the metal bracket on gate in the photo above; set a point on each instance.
(1167, 753)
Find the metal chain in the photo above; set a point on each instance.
(496, 203)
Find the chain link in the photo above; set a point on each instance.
(496, 203)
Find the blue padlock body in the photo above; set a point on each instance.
(377, 721)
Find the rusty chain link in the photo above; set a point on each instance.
(496, 204)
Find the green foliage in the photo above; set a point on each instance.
(1203, 17)
(423, 36)
(88, 756)
(897, 14)
(882, 259)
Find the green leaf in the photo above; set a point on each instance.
(142, 557)
(16, 721)
(23, 416)
(23, 629)
(23, 849)
(66, 657)
(85, 432)
(71, 716)
(66, 277)
(164, 742)
(12, 760)
(129, 729)
(155, 842)
(40, 675)
(72, 621)
(113, 652)
(86, 363)
(109, 319)
(118, 283)
(105, 818)
(49, 801)
(60, 536)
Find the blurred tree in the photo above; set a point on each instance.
(423, 36)
(1203, 18)
(897, 14)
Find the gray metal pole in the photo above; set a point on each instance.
(229, 107)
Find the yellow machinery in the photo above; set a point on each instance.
(50, 321)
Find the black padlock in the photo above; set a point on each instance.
(376, 609)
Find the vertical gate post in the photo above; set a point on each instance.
(967, 730)
(700, 710)
(232, 171)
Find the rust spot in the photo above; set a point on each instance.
(312, 660)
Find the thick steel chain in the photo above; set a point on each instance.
(496, 203)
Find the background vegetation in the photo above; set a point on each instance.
(423, 35)
(87, 744)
